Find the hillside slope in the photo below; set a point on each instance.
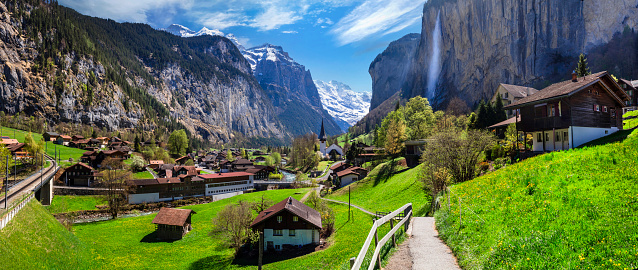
(393, 189)
(563, 210)
(35, 240)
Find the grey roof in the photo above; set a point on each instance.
(519, 91)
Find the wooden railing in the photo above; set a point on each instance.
(406, 211)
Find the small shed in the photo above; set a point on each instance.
(172, 223)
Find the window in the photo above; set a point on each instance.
(506, 95)
(546, 137)
(605, 109)
(550, 110)
(291, 232)
(539, 138)
(558, 136)
(295, 218)
(596, 107)
(280, 219)
(630, 92)
(277, 233)
(565, 136)
(277, 247)
(613, 112)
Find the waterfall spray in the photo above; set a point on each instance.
(434, 69)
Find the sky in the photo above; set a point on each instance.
(334, 39)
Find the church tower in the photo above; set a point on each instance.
(322, 140)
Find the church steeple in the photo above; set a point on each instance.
(322, 133)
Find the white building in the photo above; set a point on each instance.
(288, 222)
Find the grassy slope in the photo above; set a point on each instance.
(35, 240)
(118, 243)
(563, 210)
(394, 191)
(62, 203)
(142, 175)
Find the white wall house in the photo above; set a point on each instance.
(288, 223)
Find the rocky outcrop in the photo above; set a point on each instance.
(291, 90)
(530, 42)
(390, 68)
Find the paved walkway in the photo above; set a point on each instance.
(426, 249)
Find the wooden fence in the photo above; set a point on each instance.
(406, 211)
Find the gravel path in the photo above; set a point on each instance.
(426, 249)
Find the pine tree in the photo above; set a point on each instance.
(500, 114)
(397, 106)
(582, 69)
(482, 115)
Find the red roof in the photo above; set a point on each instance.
(172, 216)
(346, 172)
(224, 175)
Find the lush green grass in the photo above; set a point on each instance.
(121, 243)
(64, 152)
(565, 210)
(620, 135)
(142, 175)
(64, 203)
(35, 240)
(632, 122)
(382, 190)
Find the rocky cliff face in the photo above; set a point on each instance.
(530, 42)
(291, 90)
(77, 89)
(390, 68)
(80, 101)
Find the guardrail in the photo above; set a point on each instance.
(406, 210)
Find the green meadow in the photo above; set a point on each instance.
(573, 209)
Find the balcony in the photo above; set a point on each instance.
(546, 123)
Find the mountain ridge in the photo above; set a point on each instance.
(342, 103)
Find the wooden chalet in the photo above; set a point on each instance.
(172, 223)
(155, 164)
(288, 223)
(261, 172)
(50, 136)
(64, 140)
(182, 160)
(241, 164)
(116, 154)
(630, 87)
(79, 174)
(77, 137)
(570, 113)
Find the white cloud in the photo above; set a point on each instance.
(221, 21)
(376, 17)
(129, 11)
(289, 32)
(273, 18)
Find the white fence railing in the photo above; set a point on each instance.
(407, 210)
(9, 215)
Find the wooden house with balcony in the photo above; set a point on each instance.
(568, 114)
(630, 88)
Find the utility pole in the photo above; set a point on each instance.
(6, 185)
(348, 203)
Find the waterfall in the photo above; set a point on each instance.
(434, 69)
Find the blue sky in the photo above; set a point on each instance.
(335, 39)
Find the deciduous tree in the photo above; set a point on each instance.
(232, 225)
(177, 143)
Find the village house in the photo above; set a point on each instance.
(79, 174)
(570, 113)
(92, 158)
(77, 137)
(6, 141)
(241, 164)
(172, 223)
(288, 223)
(261, 172)
(155, 164)
(50, 136)
(260, 159)
(344, 174)
(182, 160)
(17, 149)
(630, 88)
(511, 93)
(63, 140)
(116, 154)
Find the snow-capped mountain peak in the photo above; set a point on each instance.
(267, 52)
(183, 31)
(342, 102)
